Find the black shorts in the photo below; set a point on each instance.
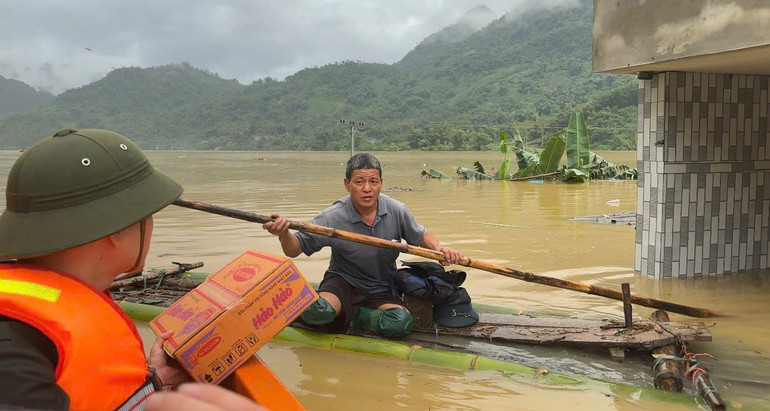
(352, 298)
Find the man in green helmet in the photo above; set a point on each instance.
(78, 213)
(357, 287)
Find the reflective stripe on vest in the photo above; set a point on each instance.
(101, 357)
(137, 401)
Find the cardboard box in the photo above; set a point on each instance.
(225, 320)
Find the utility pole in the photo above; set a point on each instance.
(353, 126)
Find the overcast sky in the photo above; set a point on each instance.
(55, 45)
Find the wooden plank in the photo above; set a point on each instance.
(422, 312)
(644, 335)
(256, 381)
(618, 354)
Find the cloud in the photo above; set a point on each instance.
(46, 43)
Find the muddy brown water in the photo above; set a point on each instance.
(522, 225)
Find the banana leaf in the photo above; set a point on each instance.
(527, 172)
(601, 169)
(525, 156)
(551, 155)
(630, 174)
(560, 133)
(470, 174)
(503, 141)
(504, 172)
(435, 174)
(518, 143)
(573, 175)
(578, 153)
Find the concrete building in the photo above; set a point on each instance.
(703, 141)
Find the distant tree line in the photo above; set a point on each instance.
(446, 94)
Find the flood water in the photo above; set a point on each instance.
(521, 225)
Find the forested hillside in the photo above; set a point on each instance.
(17, 97)
(453, 91)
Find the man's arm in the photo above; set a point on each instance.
(28, 360)
(451, 255)
(289, 242)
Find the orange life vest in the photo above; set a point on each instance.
(101, 356)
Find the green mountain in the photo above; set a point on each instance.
(17, 97)
(454, 91)
(135, 101)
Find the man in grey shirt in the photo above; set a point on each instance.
(356, 288)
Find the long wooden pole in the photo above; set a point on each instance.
(437, 255)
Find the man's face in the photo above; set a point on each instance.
(364, 187)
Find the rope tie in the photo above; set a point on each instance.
(694, 368)
(162, 276)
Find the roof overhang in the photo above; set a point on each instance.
(717, 36)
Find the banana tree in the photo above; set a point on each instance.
(582, 165)
(527, 158)
(551, 155)
(435, 174)
(601, 169)
(471, 174)
(578, 152)
(547, 161)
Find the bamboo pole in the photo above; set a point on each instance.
(669, 374)
(152, 274)
(437, 255)
(533, 177)
(701, 380)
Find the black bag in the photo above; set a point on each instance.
(425, 269)
(430, 288)
(429, 281)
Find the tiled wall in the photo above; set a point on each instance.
(703, 153)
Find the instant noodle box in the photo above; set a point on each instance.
(221, 323)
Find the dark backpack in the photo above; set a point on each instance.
(429, 281)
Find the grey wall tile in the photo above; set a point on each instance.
(702, 206)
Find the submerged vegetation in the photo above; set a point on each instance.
(581, 163)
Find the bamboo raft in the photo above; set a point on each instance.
(162, 286)
(507, 330)
(147, 295)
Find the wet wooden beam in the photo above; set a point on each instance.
(642, 335)
(627, 309)
(153, 274)
(422, 312)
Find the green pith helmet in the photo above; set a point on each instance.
(76, 187)
(455, 315)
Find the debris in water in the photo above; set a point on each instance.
(627, 218)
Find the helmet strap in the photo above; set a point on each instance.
(142, 231)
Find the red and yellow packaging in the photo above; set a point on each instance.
(221, 323)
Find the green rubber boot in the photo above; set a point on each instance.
(319, 313)
(393, 322)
